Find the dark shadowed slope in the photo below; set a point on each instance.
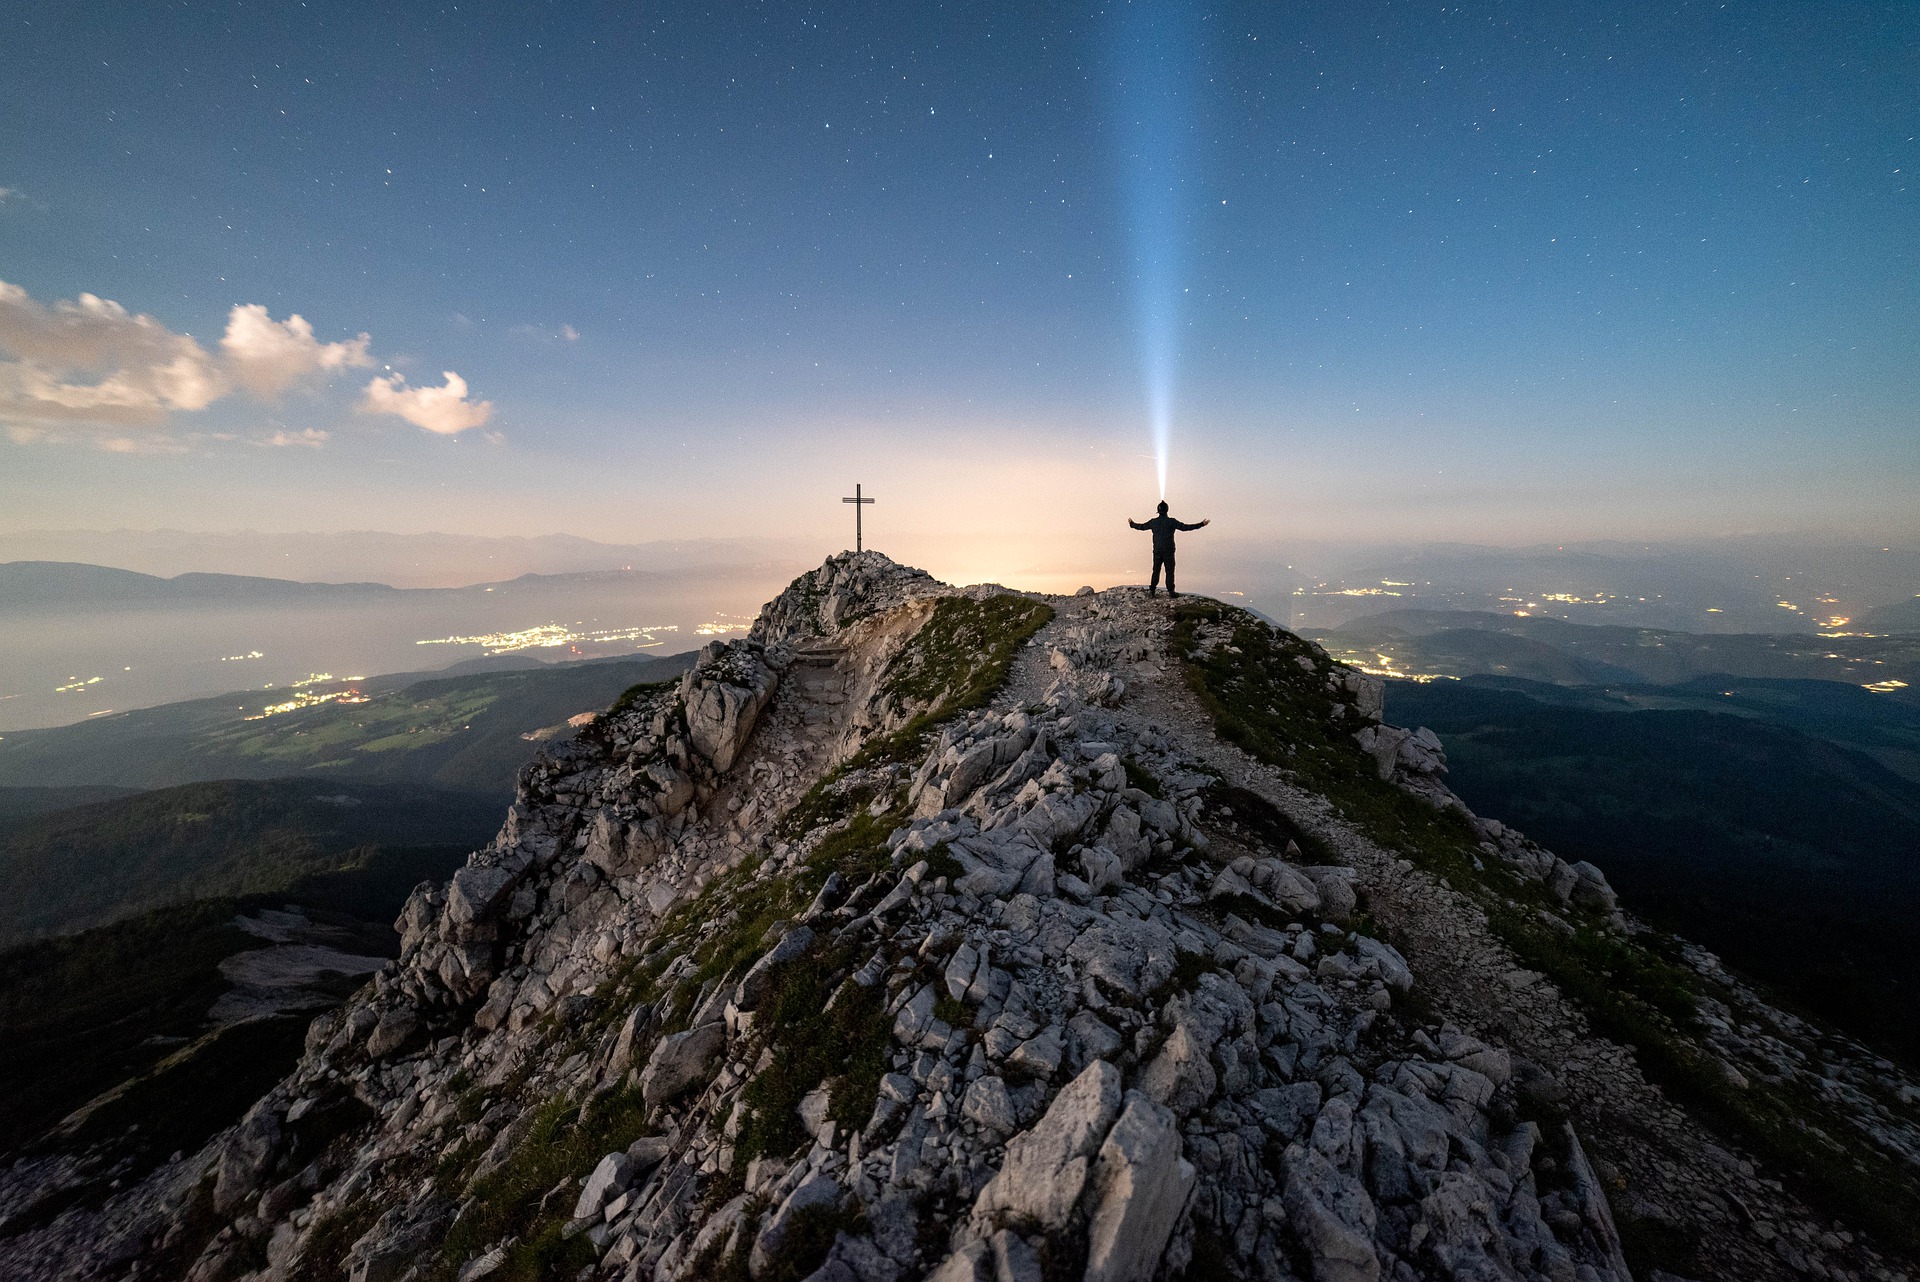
(20, 803)
(75, 868)
(1794, 857)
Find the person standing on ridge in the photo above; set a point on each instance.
(1163, 527)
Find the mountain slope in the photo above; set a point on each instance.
(87, 865)
(19, 803)
(466, 732)
(1728, 829)
(888, 945)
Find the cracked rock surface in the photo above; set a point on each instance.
(915, 936)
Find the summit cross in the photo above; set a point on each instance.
(858, 503)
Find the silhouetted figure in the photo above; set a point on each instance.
(1163, 527)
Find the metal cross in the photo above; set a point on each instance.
(858, 503)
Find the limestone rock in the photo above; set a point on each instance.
(1046, 1167)
(395, 1029)
(477, 893)
(1332, 1215)
(1139, 1189)
(724, 695)
(986, 1103)
(608, 1178)
(681, 1061)
(243, 1159)
(753, 985)
(815, 1190)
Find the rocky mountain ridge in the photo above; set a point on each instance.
(963, 934)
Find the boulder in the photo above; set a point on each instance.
(1181, 1076)
(1139, 1189)
(648, 1152)
(1590, 889)
(1103, 869)
(1124, 838)
(1039, 1056)
(1368, 692)
(245, 1156)
(971, 1263)
(1335, 885)
(986, 1103)
(608, 1179)
(1382, 743)
(1092, 1037)
(476, 894)
(395, 1029)
(815, 1190)
(753, 986)
(723, 699)
(681, 1061)
(1392, 966)
(1047, 1166)
(621, 1058)
(915, 1017)
(961, 970)
(1332, 1216)
(675, 787)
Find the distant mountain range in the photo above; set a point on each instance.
(27, 586)
(403, 560)
(49, 585)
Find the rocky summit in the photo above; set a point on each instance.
(981, 936)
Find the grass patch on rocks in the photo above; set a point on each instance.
(563, 1143)
(635, 695)
(816, 1034)
(809, 1236)
(955, 663)
(856, 851)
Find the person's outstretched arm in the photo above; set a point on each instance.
(1136, 525)
(1183, 525)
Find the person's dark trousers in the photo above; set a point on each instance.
(1162, 559)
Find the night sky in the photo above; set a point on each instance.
(1487, 273)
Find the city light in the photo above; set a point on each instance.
(554, 635)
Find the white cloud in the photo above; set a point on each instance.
(444, 409)
(90, 361)
(311, 438)
(267, 356)
(89, 369)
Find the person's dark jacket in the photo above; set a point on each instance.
(1163, 528)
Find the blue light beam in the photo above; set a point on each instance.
(1155, 66)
